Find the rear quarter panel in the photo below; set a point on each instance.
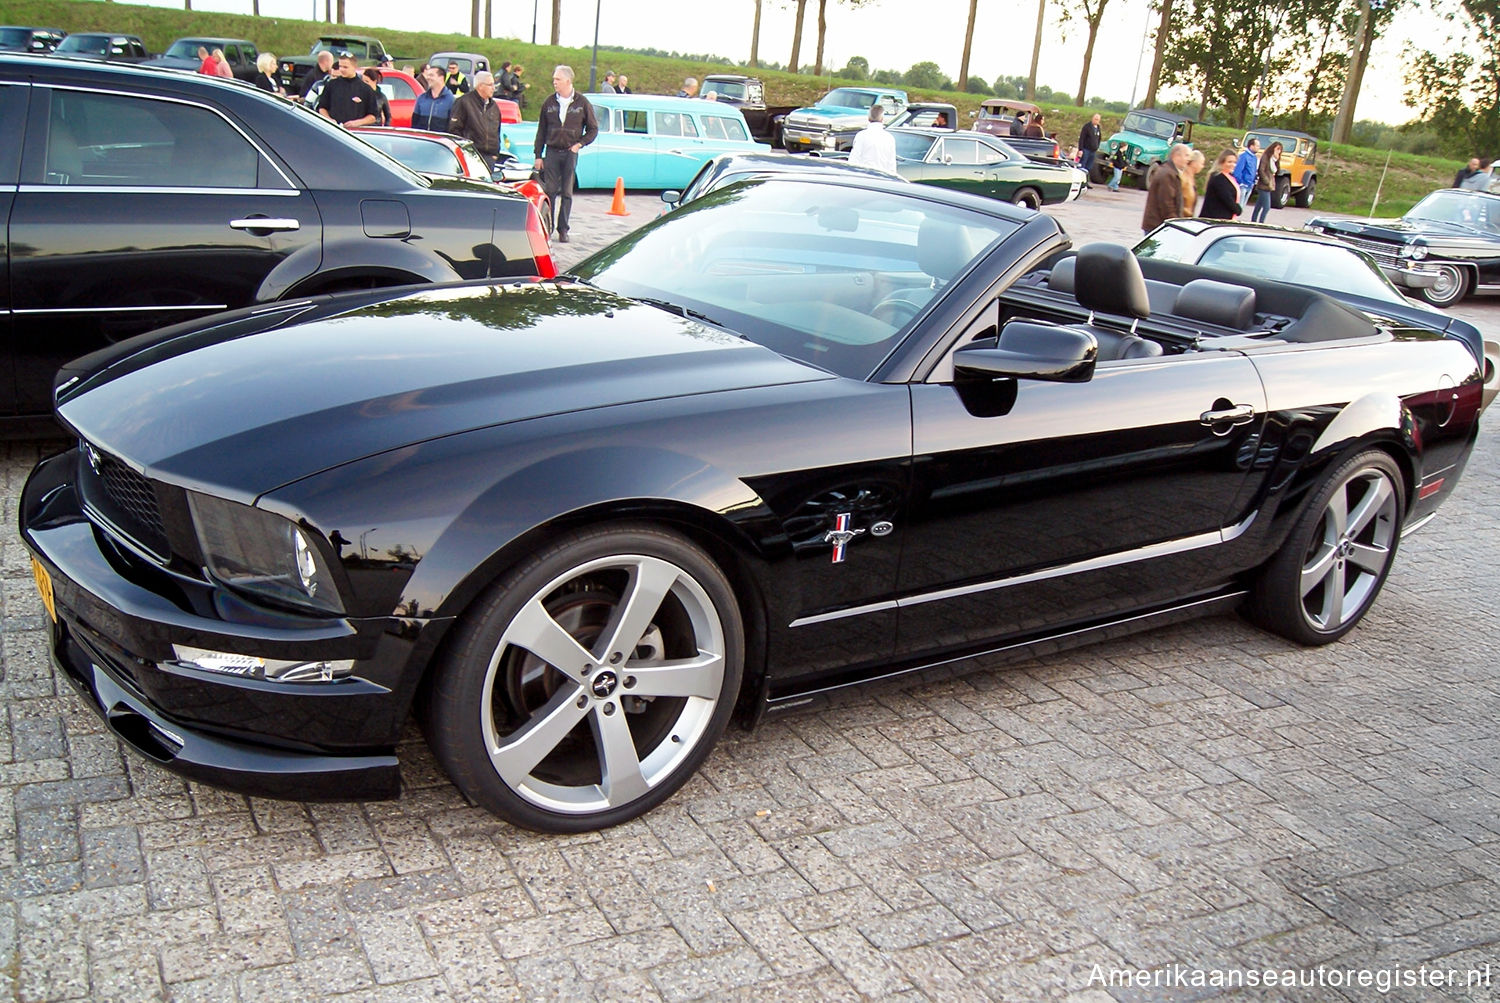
(1417, 397)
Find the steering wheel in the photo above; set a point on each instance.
(896, 311)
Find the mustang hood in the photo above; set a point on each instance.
(242, 415)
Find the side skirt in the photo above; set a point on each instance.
(1011, 653)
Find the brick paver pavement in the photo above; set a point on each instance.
(1206, 796)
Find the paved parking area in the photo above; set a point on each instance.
(1206, 796)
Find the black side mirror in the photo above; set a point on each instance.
(1031, 351)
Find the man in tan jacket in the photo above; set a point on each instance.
(1164, 189)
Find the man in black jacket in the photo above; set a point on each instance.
(1088, 143)
(565, 126)
(476, 117)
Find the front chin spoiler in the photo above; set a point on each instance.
(237, 766)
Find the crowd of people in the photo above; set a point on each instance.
(1172, 186)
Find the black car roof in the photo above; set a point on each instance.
(1170, 116)
(1200, 226)
(211, 38)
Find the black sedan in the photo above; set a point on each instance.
(1445, 248)
(149, 198)
(799, 434)
(727, 168)
(1344, 272)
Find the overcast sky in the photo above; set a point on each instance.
(891, 34)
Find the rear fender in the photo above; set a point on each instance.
(1377, 419)
(392, 261)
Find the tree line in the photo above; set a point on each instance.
(1301, 62)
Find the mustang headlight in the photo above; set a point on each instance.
(261, 553)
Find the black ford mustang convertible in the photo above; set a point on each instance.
(799, 434)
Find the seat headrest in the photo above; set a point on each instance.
(1215, 302)
(943, 250)
(1107, 279)
(1061, 276)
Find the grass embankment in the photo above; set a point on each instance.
(1348, 175)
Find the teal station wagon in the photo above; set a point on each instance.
(650, 141)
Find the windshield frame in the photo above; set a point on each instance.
(825, 248)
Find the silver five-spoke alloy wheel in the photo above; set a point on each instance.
(607, 676)
(1330, 568)
(590, 680)
(1350, 554)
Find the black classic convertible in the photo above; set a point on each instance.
(798, 434)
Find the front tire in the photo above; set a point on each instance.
(1332, 566)
(1452, 285)
(1282, 192)
(1305, 195)
(590, 682)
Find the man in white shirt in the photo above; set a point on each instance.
(874, 147)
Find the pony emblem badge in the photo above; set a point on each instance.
(840, 535)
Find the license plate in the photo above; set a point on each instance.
(44, 586)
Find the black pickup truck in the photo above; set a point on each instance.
(748, 94)
(369, 51)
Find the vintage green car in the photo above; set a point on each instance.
(984, 165)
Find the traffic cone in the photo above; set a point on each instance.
(618, 208)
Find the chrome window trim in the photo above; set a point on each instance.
(191, 104)
(148, 190)
(124, 309)
(1166, 548)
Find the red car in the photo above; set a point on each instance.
(440, 153)
(401, 90)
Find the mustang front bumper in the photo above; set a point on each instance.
(113, 624)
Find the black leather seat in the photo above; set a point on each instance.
(1107, 279)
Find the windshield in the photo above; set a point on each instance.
(912, 145)
(1474, 210)
(418, 154)
(187, 48)
(96, 45)
(1304, 263)
(828, 274)
(1311, 263)
(732, 89)
(15, 36)
(843, 97)
(1160, 128)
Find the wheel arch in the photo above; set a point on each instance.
(1381, 421)
(634, 485)
(730, 548)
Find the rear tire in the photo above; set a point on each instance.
(1028, 198)
(590, 682)
(1333, 564)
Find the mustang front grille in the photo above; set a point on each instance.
(124, 499)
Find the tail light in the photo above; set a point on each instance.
(540, 249)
